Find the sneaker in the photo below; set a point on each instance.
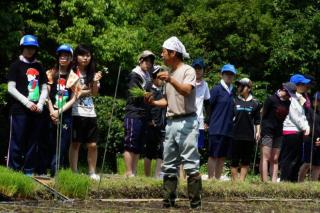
(94, 176)
(204, 177)
(224, 178)
(29, 174)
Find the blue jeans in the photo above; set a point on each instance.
(180, 146)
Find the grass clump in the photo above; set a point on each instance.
(137, 92)
(122, 187)
(16, 184)
(72, 184)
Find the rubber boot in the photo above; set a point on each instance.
(194, 190)
(170, 187)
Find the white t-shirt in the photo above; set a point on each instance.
(83, 106)
(202, 93)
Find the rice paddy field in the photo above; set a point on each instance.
(117, 193)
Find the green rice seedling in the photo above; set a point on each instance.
(137, 92)
(72, 184)
(16, 184)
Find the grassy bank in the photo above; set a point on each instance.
(17, 185)
(141, 187)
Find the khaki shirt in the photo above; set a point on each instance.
(177, 103)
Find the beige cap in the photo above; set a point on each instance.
(145, 54)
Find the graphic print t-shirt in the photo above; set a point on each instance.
(29, 78)
(83, 106)
(59, 94)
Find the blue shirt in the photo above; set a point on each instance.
(222, 111)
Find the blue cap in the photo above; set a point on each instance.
(29, 40)
(228, 68)
(198, 62)
(65, 48)
(299, 79)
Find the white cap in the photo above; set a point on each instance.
(173, 43)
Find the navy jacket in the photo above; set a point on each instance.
(221, 111)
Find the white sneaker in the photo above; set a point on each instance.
(224, 178)
(94, 176)
(204, 177)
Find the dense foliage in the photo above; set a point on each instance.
(267, 40)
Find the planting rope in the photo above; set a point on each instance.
(56, 194)
(257, 145)
(58, 136)
(312, 135)
(58, 145)
(109, 127)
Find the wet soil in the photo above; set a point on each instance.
(155, 205)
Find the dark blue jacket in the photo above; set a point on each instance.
(221, 111)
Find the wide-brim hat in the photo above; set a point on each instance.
(290, 88)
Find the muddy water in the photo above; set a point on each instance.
(155, 206)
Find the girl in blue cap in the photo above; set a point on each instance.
(27, 87)
(220, 123)
(295, 127)
(60, 102)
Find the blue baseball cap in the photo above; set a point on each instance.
(228, 68)
(299, 79)
(198, 62)
(29, 40)
(64, 48)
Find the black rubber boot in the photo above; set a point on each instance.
(169, 187)
(194, 190)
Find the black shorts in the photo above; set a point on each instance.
(241, 151)
(219, 146)
(84, 129)
(134, 132)
(153, 141)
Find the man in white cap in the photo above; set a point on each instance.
(180, 146)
